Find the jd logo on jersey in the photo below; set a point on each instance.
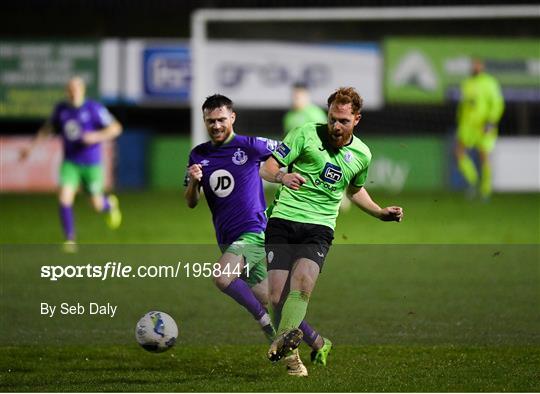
(331, 173)
(222, 183)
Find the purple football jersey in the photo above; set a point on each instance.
(72, 122)
(232, 185)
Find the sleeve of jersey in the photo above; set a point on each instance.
(360, 178)
(497, 103)
(190, 163)
(290, 148)
(264, 147)
(104, 116)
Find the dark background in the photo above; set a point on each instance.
(39, 19)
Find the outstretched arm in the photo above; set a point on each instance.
(43, 133)
(361, 198)
(192, 193)
(110, 132)
(270, 171)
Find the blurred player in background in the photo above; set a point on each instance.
(325, 159)
(227, 169)
(83, 125)
(303, 110)
(480, 108)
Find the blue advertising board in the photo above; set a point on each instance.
(167, 73)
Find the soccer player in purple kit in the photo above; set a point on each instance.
(227, 169)
(83, 125)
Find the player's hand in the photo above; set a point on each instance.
(195, 173)
(293, 180)
(23, 154)
(91, 137)
(391, 214)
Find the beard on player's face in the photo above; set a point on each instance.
(341, 122)
(339, 138)
(219, 134)
(219, 123)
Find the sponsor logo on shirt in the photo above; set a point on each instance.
(221, 183)
(331, 173)
(239, 157)
(270, 144)
(283, 150)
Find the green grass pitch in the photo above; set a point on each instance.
(448, 300)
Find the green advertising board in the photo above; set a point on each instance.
(33, 74)
(429, 70)
(168, 162)
(398, 164)
(407, 163)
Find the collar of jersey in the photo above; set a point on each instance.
(231, 137)
(74, 107)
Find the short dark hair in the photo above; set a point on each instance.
(347, 95)
(217, 101)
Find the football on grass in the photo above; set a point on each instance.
(156, 332)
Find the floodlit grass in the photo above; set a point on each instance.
(446, 301)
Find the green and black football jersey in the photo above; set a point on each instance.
(328, 172)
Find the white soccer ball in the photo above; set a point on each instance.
(156, 332)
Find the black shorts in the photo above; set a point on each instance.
(287, 241)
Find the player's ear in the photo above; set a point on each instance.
(357, 118)
(233, 117)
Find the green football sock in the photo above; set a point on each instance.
(294, 310)
(468, 169)
(275, 314)
(485, 183)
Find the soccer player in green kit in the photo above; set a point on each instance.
(302, 111)
(324, 161)
(479, 111)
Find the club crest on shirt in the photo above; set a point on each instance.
(205, 162)
(348, 157)
(85, 116)
(239, 157)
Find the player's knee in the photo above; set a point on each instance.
(275, 299)
(222, 281)
(305, 283)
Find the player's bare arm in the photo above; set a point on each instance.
(106, 134)
(43, 133)
(361, 198)
(270, 171)
(192, 193)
